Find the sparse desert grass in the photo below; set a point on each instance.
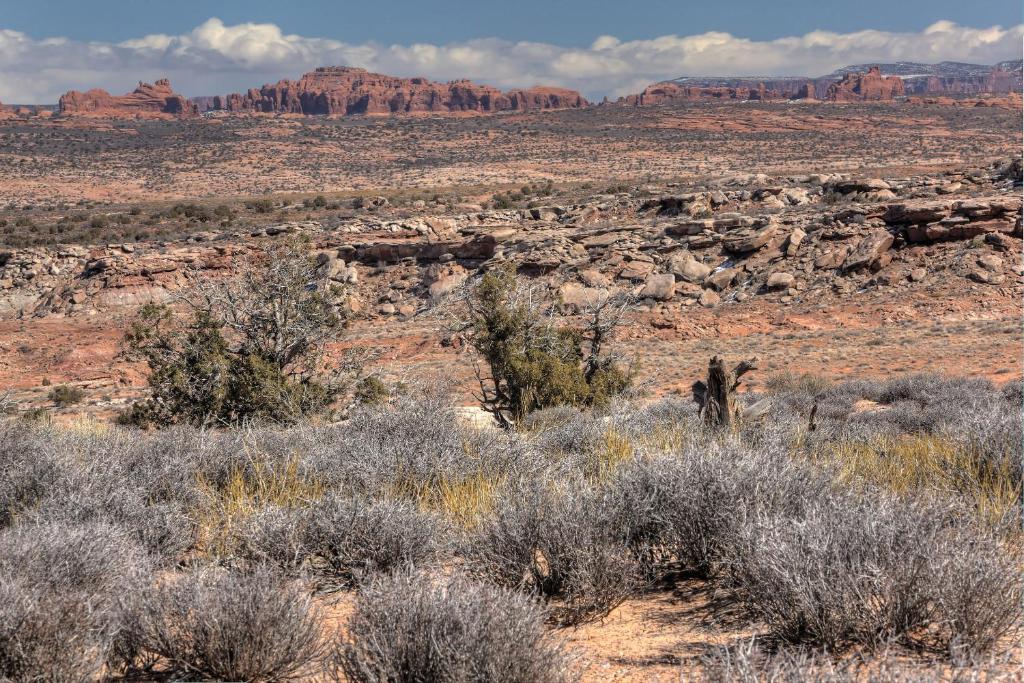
(882, 530)
(249, 488)
(908, 464)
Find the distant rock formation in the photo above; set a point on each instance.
(147, 100)
(204, 103)
(347, 91)
(944, 78)
(869, 87)
(670, 91)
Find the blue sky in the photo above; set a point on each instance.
(599, 47)
(563, 22)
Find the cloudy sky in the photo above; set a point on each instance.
(596, 46)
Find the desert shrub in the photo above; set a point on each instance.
(415, 448)
(252, 348)
(908, 464)
(44, 637)
(164, 530)
(409, 627)
(751, 662)
(952, 435)
(58, 586)
(265, 478)
(554, 543)
(681, 511)
(372, 390)
(103, 476)
(27, 470)
(272, 535)
(535, 363)
(64, 395)
(1013, 393)
(90, 559)
(8, 406)
(221, 626)
(869, 569)
(261, 206)
(804, 383)
(933, 388)
(977, 591)
(593, 443)
(350, 538)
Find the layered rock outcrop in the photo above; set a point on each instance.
(156, 99)
(669, 91)
(859, 83)
(347, 91)
(867, 87)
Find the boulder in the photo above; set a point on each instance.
(687, 268)
(917, 212)
(446, 284)
(832, 259)
(1001, 242)
(780, 281)
(709, 298)
(721, 279)
(861, 185)
(660, 286)
(991, 263)
(575, 297)
(794, 240)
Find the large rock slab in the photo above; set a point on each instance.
(869, 250)
(746, 241)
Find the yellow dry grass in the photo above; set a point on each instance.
(911, 463)
(245, 491)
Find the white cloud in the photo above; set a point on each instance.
(217, 58)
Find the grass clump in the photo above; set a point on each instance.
(910, 463)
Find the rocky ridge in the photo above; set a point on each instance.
(858, 83)
(147, 100)
(346, 91)
(730, 240)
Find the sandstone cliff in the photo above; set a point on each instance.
(670, 91)
(869, 87)
(157, 99)
(346, 91)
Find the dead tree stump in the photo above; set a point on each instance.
(716, 398)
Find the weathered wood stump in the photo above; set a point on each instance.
(716, 397)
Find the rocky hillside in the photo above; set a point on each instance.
(347, 91)
(815, 237)
(146, 101)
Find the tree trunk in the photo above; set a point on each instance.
(716, 398)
